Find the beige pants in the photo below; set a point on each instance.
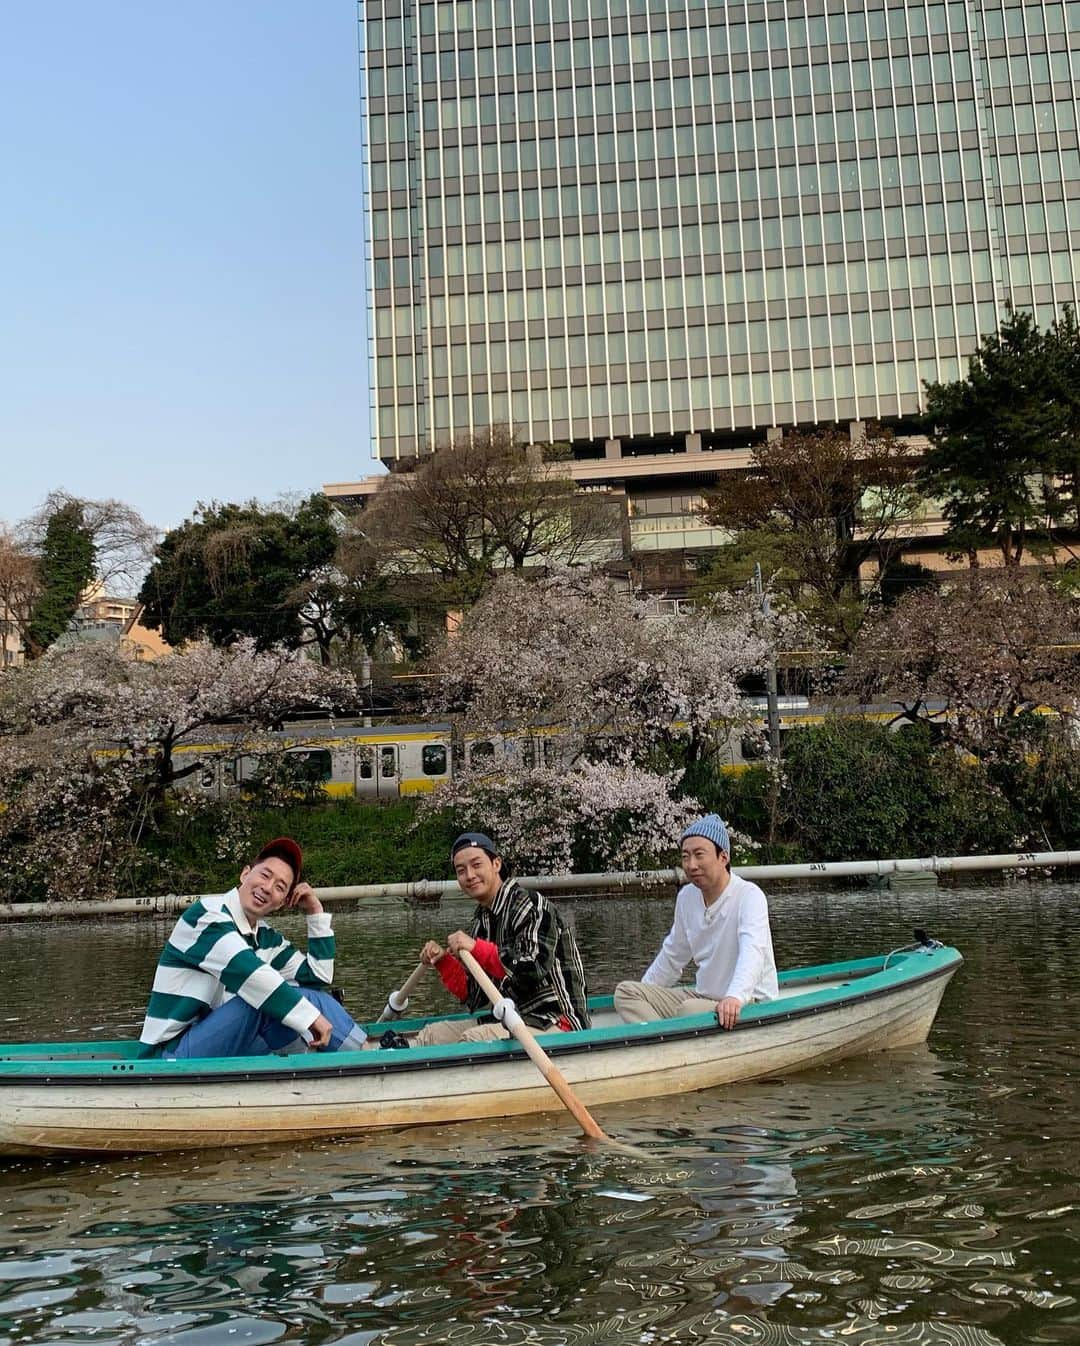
(442, 1034)
(639, 1003)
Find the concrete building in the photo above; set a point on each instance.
(662, 227)
(659, 230)
(11, 649)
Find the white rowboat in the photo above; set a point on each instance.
(94, 1097)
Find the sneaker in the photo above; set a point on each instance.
(391, 1041)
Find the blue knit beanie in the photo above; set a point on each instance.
(713, 828)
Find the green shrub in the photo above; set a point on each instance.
(1045, 791)
(853, 790)
(344, 843)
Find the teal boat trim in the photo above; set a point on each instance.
(862, 980)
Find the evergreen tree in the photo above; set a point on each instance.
(278, 577)
(1063, 342)
(996, 438)
(65, 568)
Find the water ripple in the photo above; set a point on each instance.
(927, 1196)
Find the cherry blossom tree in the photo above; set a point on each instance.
(634, 699)
(595, 816)
(90, 742)
(20, 584)
(991, 646)
(578, 651)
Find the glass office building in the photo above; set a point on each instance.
(640, 220)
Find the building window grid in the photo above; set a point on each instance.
(758, 205)
(600, 423)
(650, 415)
(954, 366)
(610, 425)
(999, 204)
(895, 398)
(425, 385)
(377, 58)
(512, 138)
(987, 128)
(774, 400)
(463, 41)
(721, 30)
(389, 345)
(787, 402)
(697, 419)
(627, 383)
(814, 412)
(894, 41)
(417, 226)
(1056, 131)
(986, 159)
(487, 292)
(548, 419)
(1004, 284)
(367, 227)
(442, 39)
(800, 216)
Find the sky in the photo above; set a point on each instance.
(182, 288)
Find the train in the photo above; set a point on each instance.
(348, 759)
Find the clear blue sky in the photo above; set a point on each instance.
(182, 288)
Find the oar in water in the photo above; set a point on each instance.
(397, 1002)
(514, 1023)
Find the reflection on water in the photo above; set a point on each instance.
(925, 1196)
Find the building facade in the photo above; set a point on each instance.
(656, 225)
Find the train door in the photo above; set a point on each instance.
(388, 774)
(209, 779)
(367, 782)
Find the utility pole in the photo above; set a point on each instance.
(365, 686)
(770, 672)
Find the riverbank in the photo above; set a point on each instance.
(845, 791)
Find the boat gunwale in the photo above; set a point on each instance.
(154, 1072)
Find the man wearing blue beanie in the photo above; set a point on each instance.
(722, 925)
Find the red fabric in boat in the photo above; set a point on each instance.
(456, 979)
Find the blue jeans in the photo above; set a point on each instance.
(237, 1029)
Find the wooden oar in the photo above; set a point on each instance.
(397, 1002)
(514, 1023)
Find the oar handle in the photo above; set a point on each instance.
(539, 1057)
(397, 1002)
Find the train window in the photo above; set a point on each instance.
(365, 763)
(528, 753)
(206, 778)
(483, 751)
(232, 770)
(387, 762)
(754, 747)
(315, 765)
(551, 752)
(434, 759)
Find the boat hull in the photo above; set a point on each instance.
(73, 1103)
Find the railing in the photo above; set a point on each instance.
(431, 890)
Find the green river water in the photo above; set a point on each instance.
(920, 1196)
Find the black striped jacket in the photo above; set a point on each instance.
(545, 977)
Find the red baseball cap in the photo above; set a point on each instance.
(284, 848)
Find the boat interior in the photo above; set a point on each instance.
(794, 983)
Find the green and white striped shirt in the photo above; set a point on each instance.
(215, 953)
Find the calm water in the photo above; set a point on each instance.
(921, 1196)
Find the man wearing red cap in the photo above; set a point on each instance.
(228, 984)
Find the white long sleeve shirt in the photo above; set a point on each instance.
(730, 942)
